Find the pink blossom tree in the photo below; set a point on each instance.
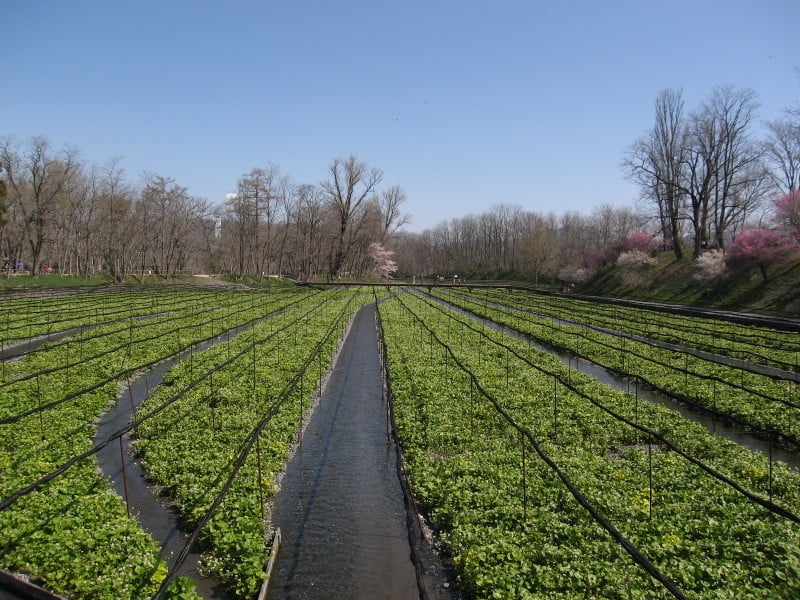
(760, 247)
(641, 241)
(382, 258)
(787, 213)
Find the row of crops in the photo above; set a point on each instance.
(540, 481)
(751, 393)
(214, 434)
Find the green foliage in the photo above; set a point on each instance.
(73, 535)
(464, 458)
(52, 282)
(764, 403)
(465, 464)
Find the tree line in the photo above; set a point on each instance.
(704, 178)
(58, 213)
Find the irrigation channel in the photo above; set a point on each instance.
(345, 527)
(713, 424)
(130, 481)
(23, 348)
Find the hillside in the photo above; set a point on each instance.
(676, 282)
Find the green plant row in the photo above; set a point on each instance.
(693, 448)
(26, 319)
(465, 465)
(153, 339)
(73, 534)
(758, 345)
(755, 401)
(128, 332)
(190, 447)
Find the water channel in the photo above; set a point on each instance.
(340, 507)
(129, 480)
(20, 349)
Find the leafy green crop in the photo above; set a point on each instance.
(764, 403)
(465, 464)
(72, 534)
(513, 531)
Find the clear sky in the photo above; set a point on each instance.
(464, 104)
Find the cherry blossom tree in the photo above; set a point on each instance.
(710, 265)
(760, 247)
(384, 265)
(641, 241)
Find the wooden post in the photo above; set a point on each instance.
(124, 477)
(555, 407)
(276, 543)
(524, 482)
(650, 471)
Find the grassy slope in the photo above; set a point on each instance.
(668, 281)
(674, 282)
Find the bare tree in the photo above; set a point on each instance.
(389, 203)
(610, 227)
(704, 159)
(210, 240)
(37, 181)
(748, 201)
(576, 248)
(4, 219)
(172, 217)
(782, 152)
(68, 247)
(412, 253)
(495, 231)
(466, 247)
(3, 196)
(657, 163)
(539, 244)
(351, 183)
(240, 219)
(261, 194)
(719, 156)
(308, 236)
(739, 164)
(115, 230)
(287, 209)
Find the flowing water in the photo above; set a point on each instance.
(340, 508)
(129, 480)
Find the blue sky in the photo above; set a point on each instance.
(464, 104)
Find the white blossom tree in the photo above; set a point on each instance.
(382, 258)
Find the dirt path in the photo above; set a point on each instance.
(340, 508)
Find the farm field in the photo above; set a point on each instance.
(540, 481)
(60, 524)
(544, 483)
